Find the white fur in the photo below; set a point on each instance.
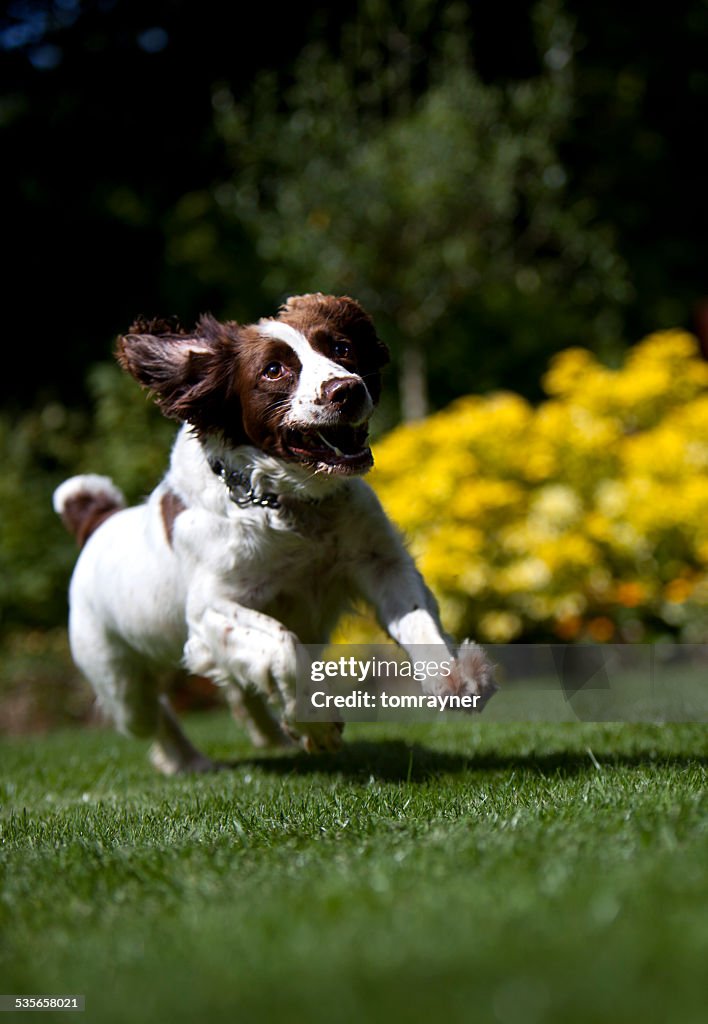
(235, 590)
(91, 482)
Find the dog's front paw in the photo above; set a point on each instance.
(472, 675)
(317, 737)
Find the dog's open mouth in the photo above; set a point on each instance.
(341, 448)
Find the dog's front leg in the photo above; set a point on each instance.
(408, 611)
(235, 645)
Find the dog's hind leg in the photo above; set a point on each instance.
(171, 752)
(127, 690)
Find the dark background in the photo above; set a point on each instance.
(103, 102)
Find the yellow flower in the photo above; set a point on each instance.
(630, 594)
(523, 516)
(678, 591)
(569, 371)
(568, 628)
(499, 627)
(555, 507)
(601, 629)
(528, 574)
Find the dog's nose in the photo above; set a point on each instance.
(346, 392)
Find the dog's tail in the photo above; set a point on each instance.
(84, 502)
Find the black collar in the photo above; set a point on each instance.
(240, 487)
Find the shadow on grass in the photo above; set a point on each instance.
(398, 761)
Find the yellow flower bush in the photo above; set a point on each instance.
(585, 518)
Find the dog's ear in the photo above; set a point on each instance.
(191, 373)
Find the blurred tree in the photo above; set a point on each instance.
(108, 207)
(634, 145)
(388, 169)
(106, 122)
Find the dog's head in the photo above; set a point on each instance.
(300, 386)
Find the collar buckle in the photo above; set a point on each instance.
(237, 481)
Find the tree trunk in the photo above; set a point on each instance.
(413, 383)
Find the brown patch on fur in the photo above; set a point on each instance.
(171, 505)
(84, 512)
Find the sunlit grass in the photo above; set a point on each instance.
(469, 871)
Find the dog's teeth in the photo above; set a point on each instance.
(332, 446)
(324, 439)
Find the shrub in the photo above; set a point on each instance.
(584, 518)
(125, 438)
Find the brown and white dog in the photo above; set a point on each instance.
(260, 535)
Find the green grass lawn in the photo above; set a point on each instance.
(460, 871)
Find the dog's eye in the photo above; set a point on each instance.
(273, 371)
(341, 350)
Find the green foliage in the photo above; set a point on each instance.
(129, 438)
(125, 438)
(510, 873)
(391, 171)
(35, 558)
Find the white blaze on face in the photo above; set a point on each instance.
(306, 404)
